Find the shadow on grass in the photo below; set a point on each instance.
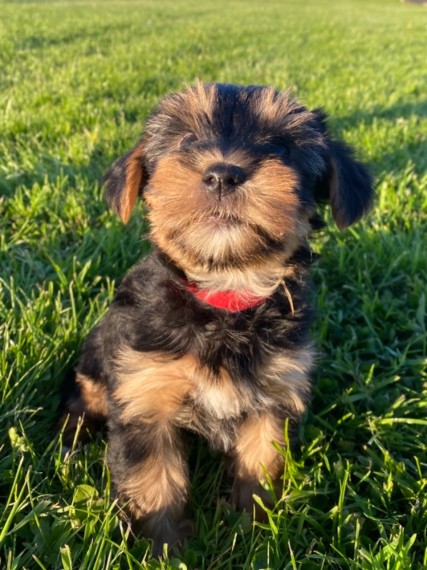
(49, 169)
(400, 110)
(399, 153)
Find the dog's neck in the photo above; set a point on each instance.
(239, 288)
(259, 279)
(254, 281)
(233, 301)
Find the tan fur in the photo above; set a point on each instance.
(198, 101)
(174, 199)
(260, 279)
(177, 185)
(133, 183)
(220, 397)
(280, 109)
(154, 387)
(94, 395)
(286, 378)
(270, 106)
(158, 389)
(151, 386)
(254, 450)
(272, 202)
(159, 482)
(182, 223)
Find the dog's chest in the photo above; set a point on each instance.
(215, 405)
(220, 395)
(155, 387)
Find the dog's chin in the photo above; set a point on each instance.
(220, 244)
(218, 239)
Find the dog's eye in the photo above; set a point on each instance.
(278, 147)
(281, 150)
(188, 140)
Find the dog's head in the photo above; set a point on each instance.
(232, 176)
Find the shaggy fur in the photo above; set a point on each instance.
(232, 178)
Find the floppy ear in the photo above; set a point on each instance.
(124, 181)
(346, 184)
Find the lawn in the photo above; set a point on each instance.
(77, 79)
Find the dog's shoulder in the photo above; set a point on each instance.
(144, 283)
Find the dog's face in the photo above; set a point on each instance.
(232, 176)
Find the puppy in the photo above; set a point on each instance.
(210, 332)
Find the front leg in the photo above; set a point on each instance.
(286, 381)
(253, 456)
(150, 477)
(146, 448)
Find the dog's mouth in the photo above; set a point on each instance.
(222, 220)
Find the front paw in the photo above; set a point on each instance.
(242, 498)
(163, 529)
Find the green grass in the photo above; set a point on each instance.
(76, 81)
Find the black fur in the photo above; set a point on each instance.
(153, 298)
(155, 313)
(303, 143)
(345, 183)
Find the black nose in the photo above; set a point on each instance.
(223, 178)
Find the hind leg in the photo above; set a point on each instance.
(84, 403)
(84, 394)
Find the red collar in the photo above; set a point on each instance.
(233, 301)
